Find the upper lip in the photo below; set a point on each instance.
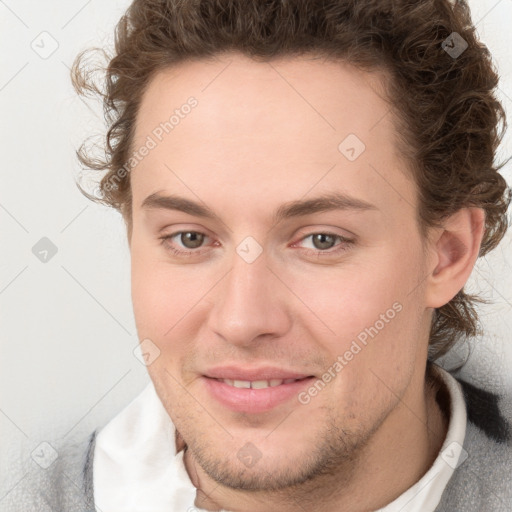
(253, 374)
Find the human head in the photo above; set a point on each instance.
(245, 146)
(446, 114)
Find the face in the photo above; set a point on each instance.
(277, 265)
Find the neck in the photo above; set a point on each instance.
(399, 453)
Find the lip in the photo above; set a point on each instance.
(254, 401)
(261, 373)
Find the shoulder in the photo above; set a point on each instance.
(65, 484)
(484, 411)
(483, 480)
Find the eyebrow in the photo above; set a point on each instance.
(297, 208)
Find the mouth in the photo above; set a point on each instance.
(256, 395)
(258, 384)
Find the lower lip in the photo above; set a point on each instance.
(254, 400)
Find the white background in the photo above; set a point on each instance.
(67, 329)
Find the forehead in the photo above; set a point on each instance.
(243, 97)
(298, 123)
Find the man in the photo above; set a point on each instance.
(306, 188)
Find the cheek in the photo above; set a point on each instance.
(341, 302)
(166, 297)
(156, 296)
(383, 335)
(365, 314)
(163, 303)
(148, 298)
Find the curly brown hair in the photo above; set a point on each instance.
(444, 106)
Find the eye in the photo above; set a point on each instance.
(191, 242)
(322, 242)
(191, 239)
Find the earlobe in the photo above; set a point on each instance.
(456, 250)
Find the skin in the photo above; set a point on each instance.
(263, 135)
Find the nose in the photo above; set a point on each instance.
(250, 304)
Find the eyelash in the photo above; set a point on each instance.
(342, 247)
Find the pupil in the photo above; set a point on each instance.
(321, 238)
(191, 239)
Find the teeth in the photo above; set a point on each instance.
(260, 384)
(256, 384)
(241, 384)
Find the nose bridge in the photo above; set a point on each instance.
(248, 303)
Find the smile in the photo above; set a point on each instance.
(256, 384)
(255, 396)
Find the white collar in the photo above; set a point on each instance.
(136, 468)
(425, 495)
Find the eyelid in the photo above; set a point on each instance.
(336, 249)
(314, 229)
(176, 233)
(166, 240)
(343, 242)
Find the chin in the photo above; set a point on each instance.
(284, 458)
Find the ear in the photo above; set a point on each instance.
(454, 250)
